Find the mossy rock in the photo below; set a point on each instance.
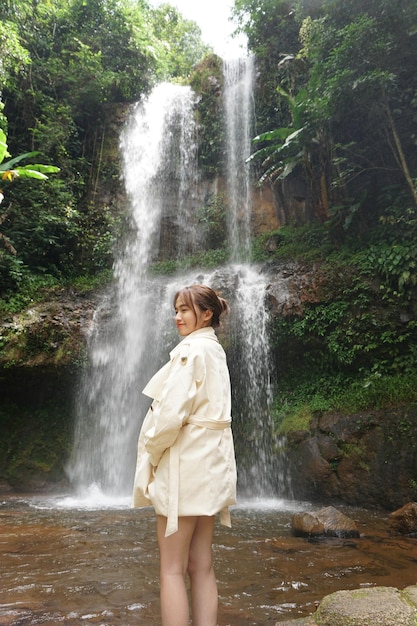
(385, 606)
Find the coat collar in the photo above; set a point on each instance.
(202, 333)
(207, 332)
(154, 387)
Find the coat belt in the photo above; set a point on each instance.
(174, 471)
(204, 422)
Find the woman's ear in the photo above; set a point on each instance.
(207, 315)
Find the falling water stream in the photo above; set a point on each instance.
(133, 321)
(87, 557)
(238, 105)
(134, 329)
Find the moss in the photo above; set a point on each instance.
(357, 452)
(297, 420)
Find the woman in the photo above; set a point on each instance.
(186, 465)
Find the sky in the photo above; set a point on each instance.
(212, 16)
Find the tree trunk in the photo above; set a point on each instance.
(400, 156)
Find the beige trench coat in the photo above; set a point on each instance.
(186, 462)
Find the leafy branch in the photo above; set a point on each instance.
(10, 171)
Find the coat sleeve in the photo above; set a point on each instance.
(177, 398)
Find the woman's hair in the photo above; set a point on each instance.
(206, 299)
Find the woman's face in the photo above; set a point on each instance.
(187, 320)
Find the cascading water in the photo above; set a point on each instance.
(238, 96)
(134, 330)
(251, 370)
(158, 150)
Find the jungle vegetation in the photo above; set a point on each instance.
(336, 105)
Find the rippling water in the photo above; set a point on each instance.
(92, 561)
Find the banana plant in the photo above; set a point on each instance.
(10, 171)
(301, 144)
(284, 148)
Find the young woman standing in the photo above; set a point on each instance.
(186, 465)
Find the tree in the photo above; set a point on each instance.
(68, 67)
(303, 145)
(272, 34)
(10, 171)
(355, 68)
(181, 47)
(362, 86)
(12, 57)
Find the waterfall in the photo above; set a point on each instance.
(158, 150)
(238, 96)
(134, 330)
(251, 370)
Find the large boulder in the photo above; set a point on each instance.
(404, 520)
(384, 606)
(377, 606)
(363, 459)
(327, 522)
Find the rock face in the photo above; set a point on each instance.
(362, 459)
(381, 606)
(291, 286)
(53, 332)
(43, 350)
(404, 520)
(328, 522)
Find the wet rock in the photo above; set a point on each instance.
(303, 621)
(328, 448)
(382, 606)
(328, 522)
(385, 606)
(404, 520)
(361, 459)
(291, 286)
(306, 525)
(52, 332)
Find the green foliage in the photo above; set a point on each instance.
(208, 259)
(304, 243)
(207, 82)
(12, 54)
(397, 264)
(9, 170)
(31, 289)
(351, 68)
(212, 217)
(295, 419)
(294, 408)
(272, 33)
(284, 148)
(394, 254)
(351, 350)
(350, 331)
(180, 48)
(93, 283)
(63, 66)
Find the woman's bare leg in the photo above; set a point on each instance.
(174, 553)
(204, 598)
